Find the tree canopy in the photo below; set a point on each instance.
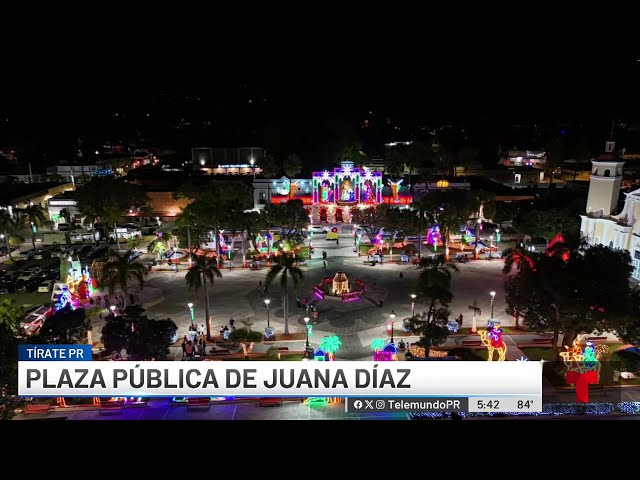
(143, 338)
(65, 326)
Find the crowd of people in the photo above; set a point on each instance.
(194, 344)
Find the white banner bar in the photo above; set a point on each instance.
(241, 378)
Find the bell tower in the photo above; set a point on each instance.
(606, 179)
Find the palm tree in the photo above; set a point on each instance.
(35, 216)
(203, 270)
(330, 345)
(286, 268)
(7, 225)
(476, 312)
(424, 209)
(292, 165)
(117, 270)
(435, 281)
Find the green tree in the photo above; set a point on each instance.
(269, 166)
(292, 165)
(434, 283)
(370, 219)
(290, 216)
(66, 326)
(33, 216)
(116, 271)
(143, 338)
(432, 328)
(285, 268)
(7, 226)
(10, 334)
(394, 160)
(133, 242)
(202, 271)
(572, 291)
(65, 213)
(246, 337)
(106, 199)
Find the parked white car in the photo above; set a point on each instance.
(46, 286)
(318, 229)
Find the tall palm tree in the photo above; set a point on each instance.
(286, 268)
(435, 281)
(203, 270)
(34, 216)
(424, 211)
(7, 225)
(116, 271)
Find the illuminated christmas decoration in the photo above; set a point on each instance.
(492, 339)
(417, 351)
(330, 345)
(226, 334)
(601, 351)
(377, 344)
(395, 187)
(523, 359)
(438, 353)
(65, 300)
(453, 326)
(319, 355)
(315, 401)
(269, 332)
(442, 184)
(309, 330)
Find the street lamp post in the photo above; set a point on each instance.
(476, 250)
(306, 327)
(493, 297)
(190, 305)
(113, 310)
(490, 246)
(267, 302)
(392, 317)
(413, 304)
(253, 167)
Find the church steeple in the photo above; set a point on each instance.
(606, 179)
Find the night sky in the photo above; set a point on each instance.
(46, 107)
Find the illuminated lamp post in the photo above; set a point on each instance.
(113, 310)
(493, 297)
(392, 317)
(306, 327)
(413, 305)
(476, 250)
(267, 302)
(490, 246)
(190, 305)
(253, 167)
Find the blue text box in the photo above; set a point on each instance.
(54, 353)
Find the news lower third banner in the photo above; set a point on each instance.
(43, 372)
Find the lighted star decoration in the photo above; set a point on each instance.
(523, 359)
(327, 176)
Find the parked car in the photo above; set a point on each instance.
(318, 229)
(29, 286)
(98, 252)
(32, 270)
(64, 227)
(25, 277)
(7, 286)
(46, 286)
(39, 254)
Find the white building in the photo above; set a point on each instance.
(600, 225)
(72, 172)
(60, 202)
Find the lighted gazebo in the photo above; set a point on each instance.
(340, 283)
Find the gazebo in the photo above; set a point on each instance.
(340, 283)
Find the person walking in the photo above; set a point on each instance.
(337, 241)
(232, 323)
(131, 299)
(324, 255)
(204, 347)
(189, 351)
(184, 348)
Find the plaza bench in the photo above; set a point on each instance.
(596, 339)
(471, 343)
(218, 351)
(111, 407)
(543, 341)
(37, 408)
(198, 402)
(270, 402)
(283, 349)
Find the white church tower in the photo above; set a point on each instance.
(606, 179)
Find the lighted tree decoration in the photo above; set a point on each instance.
(330, 345)
(246, 337)
(377, 344)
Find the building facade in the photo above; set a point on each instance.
(600, 225)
